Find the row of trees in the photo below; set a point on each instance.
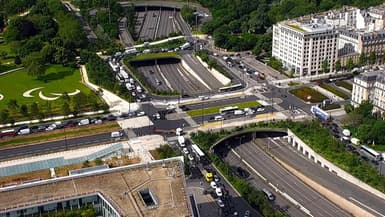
(48, 34)
(68, 105)
(367, 126)
(238, 25)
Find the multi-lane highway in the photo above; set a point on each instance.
(278, 176)
(36, 149)
(282, 150)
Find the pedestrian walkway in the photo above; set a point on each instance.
(116, 104)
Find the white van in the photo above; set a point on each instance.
(239, 112)
(24, 131)
(116, 134)
(84, 122)
(218, 118)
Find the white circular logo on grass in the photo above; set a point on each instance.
(28, 94)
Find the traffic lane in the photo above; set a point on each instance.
(46, 147)
(227, 117)
(220, 102)
(309, 198)
(202, 72)
(288, 100)
(233, 203)
(312, 170)
(280, 202)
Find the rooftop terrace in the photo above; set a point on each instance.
(120, 186)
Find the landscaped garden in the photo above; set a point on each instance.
(59, 91)
(344, 84)
(308, 94)
(334, 91)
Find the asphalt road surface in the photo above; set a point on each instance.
(170, 77)
(167, 23)
(47, 147)
(221, 102)
(280, 202)
(202, 72)
(362, 198)
(125, 36)
(272, 171)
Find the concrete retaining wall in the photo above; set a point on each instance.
(311, 154)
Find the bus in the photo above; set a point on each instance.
(199, 154)
(371, 153)
(230, 88)
(229, 109)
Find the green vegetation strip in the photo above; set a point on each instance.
(331, 106)
(215, 109)
(345, 85)
(318, 138)
(168, 44)
(155, 56)
(305, 92)
(58, 134)
(334, 91)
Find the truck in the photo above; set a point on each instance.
(181, 141)
(179, 131)
(320, 114)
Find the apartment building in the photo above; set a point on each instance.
(369, 86)
(304, 43)
(304, 47)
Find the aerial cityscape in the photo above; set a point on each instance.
(198, 108)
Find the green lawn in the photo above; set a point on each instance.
(7, 48)
(215, 109)
(345, 85)
(331, 106)
(59, 79)
(334, 91)
(308, 94)
(169, 44)
(155, 56)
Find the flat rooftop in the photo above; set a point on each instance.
(120, 186)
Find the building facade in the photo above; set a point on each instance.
(369, 86)
(305, 43)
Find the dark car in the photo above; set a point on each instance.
(240, 172)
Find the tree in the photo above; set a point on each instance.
(350, 64)
(24, 110)
(34, 109)
(372, 58)
(275, 64)
(3, 55)
(34, 63)
(325, 66)
(12, 104)
(66, 108)
(17, 60)
(4, 116)
(362, 59)
(337, 66)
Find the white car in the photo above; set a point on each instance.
(260, 109)
(185, 151)
(190, 157)
(220, 203)
(213, 184)
(139, 114)
(218, 191)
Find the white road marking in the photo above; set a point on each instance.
(366, 206)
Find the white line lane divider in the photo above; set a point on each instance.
(164, 77)
(285, 195)
(366, 206)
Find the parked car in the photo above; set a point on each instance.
(190, 157)
(216, 178)
(185, 151)
(218, 191)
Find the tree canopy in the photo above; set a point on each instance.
(237, 24)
